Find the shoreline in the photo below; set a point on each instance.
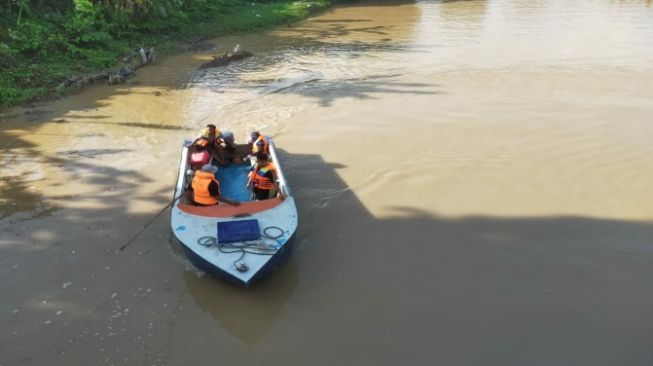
(26, 83)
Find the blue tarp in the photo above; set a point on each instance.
(233, 179)
(231, 231)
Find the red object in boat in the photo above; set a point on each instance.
(198, 159)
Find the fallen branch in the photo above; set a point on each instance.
(114, 76)
(226, 58)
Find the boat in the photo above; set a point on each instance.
(241, 244)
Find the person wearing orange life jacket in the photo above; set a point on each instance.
(201, 144)
(206, 189)
(263, 179)
(215, 138)
(210, 134)
(259, 143)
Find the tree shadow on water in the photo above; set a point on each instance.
(339, 38)
(25, 163)
(327, 92)
(245, 313)
(423, 278)
(396, 283)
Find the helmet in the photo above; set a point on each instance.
(209, 168)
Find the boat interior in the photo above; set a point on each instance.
(233, 185)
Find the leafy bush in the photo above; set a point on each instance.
(29, 37)
(88, 25)
(42, 42)
(11, 96)
(7, 55)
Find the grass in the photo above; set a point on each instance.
(47, 50)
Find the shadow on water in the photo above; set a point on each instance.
(23, 163)
(143, 125)
(91, 119)
(92, 153)
(248, 314)
(326, 92)
(425, 279)
(325, 37)
(245, 313)
(16, 196)
(333, 41)
(561, 290)
(221, 79)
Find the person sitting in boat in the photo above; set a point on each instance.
(210, 133)
(263, 178)
(206, 188)
(230, 148)
(215, 138)
(259, 143)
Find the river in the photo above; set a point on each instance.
(473, 181)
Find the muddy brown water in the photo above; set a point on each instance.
(473, 181)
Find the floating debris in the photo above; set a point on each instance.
(226, 58)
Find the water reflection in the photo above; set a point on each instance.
(244, 313)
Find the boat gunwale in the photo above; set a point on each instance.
(226, 210)
(252, 206)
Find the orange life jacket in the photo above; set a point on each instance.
(211, 138)
(202, 142)
(201, 192)
(266, 146)
(259, 179)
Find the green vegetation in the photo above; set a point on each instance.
(42, 42)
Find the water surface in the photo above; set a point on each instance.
(473, 181)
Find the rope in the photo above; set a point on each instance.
(254, 247)
(174, 198)
(145, 226)
(265, 232)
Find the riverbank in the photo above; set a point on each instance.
(44, 46)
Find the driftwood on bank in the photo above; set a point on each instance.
(139, 58)
(226, 58)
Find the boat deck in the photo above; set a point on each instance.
(233, 181)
